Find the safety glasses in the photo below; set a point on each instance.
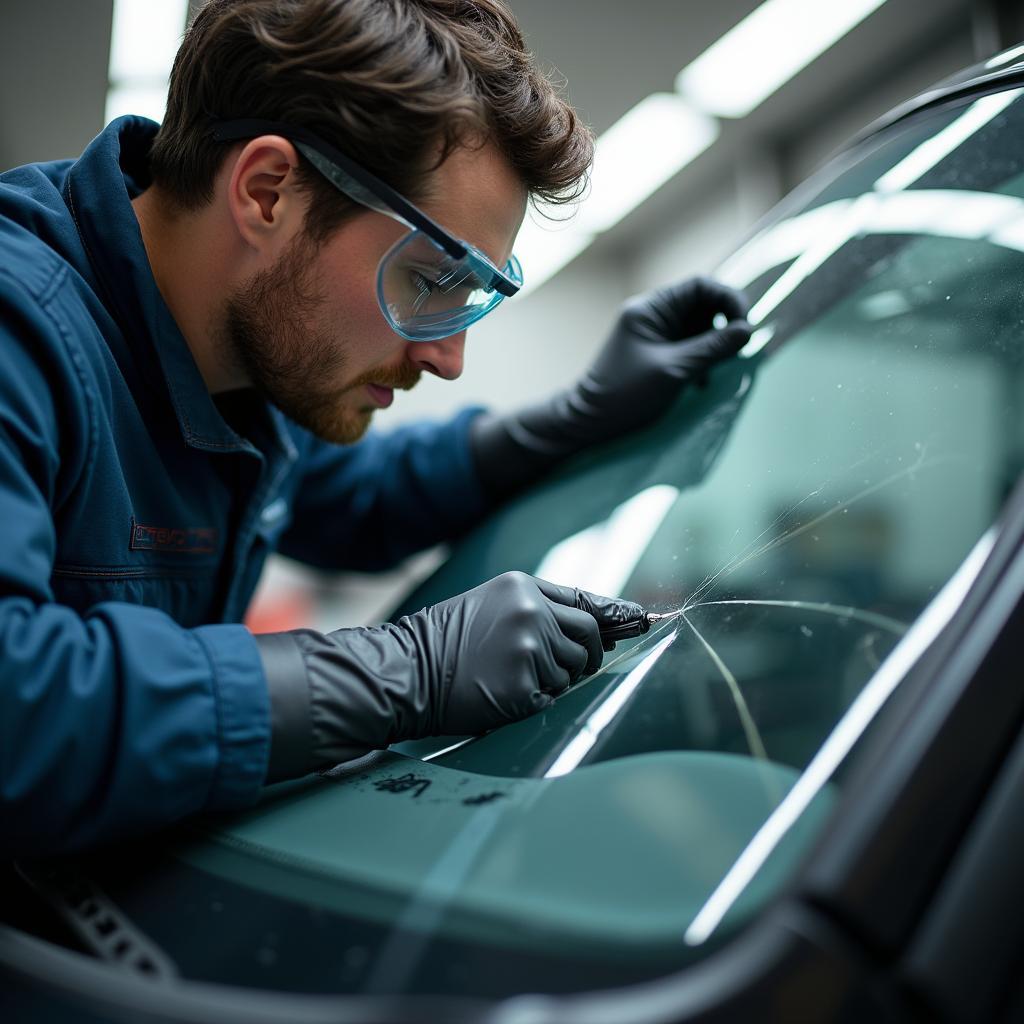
(430, 284)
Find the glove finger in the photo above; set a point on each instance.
(685, 310)
(712, 346)
(539, 701)
(556, 592)
(564, 659)
(721, 298)
(582, 651)
(608, 611)
(561, 666)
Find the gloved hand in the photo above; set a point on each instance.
(490, 656)
(662, 341)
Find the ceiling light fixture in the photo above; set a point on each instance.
(765, 50)
(646, 147)
(640, 152)
(144, 39)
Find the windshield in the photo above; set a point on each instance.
(802, 512)
(799, 513)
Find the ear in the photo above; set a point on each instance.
(264, 200)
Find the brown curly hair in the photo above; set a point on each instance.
(395, 84)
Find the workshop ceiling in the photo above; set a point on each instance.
(613, 54)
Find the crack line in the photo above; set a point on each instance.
(840, 611)
(754, 740)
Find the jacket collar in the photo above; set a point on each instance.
(111, 172)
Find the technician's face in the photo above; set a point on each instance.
(309, 332)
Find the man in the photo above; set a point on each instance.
(196, 325)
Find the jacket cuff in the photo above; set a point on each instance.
(243, 721)
(291, 727)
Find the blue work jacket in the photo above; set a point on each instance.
(136, 513)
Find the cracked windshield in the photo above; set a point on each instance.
(800, 513)
(797, 515)
(792, 518)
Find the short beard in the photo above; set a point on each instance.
(269, 329)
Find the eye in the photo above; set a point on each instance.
(421, 282)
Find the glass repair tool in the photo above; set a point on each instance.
(634, 627)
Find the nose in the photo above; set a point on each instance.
(442, 358)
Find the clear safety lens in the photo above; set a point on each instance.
(426, 295)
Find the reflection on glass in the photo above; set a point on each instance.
(840, 742)
(916, 164)
(601, 558)
(604, 715)
(835, 494)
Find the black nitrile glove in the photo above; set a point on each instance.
(490, 656)
(662, 341)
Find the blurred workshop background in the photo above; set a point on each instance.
(706, 114)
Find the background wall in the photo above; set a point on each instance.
(53, 79)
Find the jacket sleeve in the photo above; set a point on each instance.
(369, 505)
(120, 721)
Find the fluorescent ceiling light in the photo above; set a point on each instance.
(145, 38)
(633, 159)
(639, 153)
(916, 164)
(664, 132)
(765, 50)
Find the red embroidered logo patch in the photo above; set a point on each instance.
(189, 540)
